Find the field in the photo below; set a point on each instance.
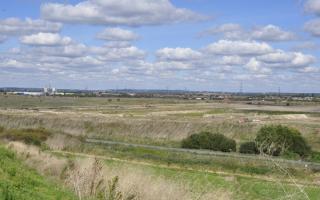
(164, 123)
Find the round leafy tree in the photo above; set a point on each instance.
(277, 139)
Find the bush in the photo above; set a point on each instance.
(206, 140)
(277, 139)
(28, 136)
(249, 148)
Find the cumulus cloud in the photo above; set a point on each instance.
(118, 12)
(68, 51)
(227, 47)
(256, 66)
(229, 31)
(287, 59)
(177, 54)
(310, 70)
(117, 34)
(121, 60)
(13, 63)
(270, 33)
(313, 27)
(16, 26)
(119, 54)
(231, 60)
(309, 45)
(276, 57)
(313, 6)
(45, 39)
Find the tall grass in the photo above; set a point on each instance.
(86, 176)
(17, 181)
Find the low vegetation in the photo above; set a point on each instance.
(18, 181)
(28, 136)
(94, 179)
(210, 141)
(127, 172)
(249, 148)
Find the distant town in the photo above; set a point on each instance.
(254, 98)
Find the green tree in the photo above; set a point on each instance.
(277, 139)
(211, 141)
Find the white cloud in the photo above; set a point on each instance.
(119, 60)
(272, 33)
(313, 6)
(286, 59)
(302, 60)
(309, 45)
(263, 33)
(15, 26)
(172, 66)
(310, 70)
(12, 63)
(229, 31)
(256, 66)
(313, 27)
(227, 47)
(67, 51)
(232, 60)
(178, 54)
(118, 54)
(45, 39)
(118, 12)
(276, 57)
(117, 34)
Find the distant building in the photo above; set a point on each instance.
(49, 91)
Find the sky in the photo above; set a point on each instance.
(212, 45)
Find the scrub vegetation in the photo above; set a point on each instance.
(255, 152)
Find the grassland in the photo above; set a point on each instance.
(153, 121)
(67, 121)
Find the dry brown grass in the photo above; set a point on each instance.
(137, 122)
(61, 141)
(44, 163)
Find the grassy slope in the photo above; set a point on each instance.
(241, 188)
(19, 182)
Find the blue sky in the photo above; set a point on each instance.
(155, 44)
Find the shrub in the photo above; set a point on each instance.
(206, 140)
(29, 136)
(277, 139)
(249, 148)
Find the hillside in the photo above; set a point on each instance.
(20, 182)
